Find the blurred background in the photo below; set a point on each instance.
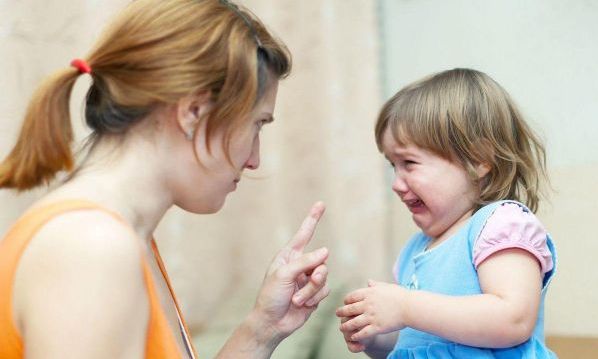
(349, 57)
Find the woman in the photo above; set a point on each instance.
(180, 91)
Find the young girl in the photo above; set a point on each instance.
(472, 283)
(180, 90)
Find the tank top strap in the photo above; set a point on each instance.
(160, 340)
(184, 330)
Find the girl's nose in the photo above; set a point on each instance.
(399, 185)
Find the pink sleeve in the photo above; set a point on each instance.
(512, 227)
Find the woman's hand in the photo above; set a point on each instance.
(294, 284)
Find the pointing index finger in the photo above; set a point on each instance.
(308, 227)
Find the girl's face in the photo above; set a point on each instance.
(438, 192)
(209, 183)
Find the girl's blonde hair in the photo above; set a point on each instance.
(463, 115)
(153, 54)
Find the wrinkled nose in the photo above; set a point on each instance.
(399, 185)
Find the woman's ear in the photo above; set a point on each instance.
(190, 110)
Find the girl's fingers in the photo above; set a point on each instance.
(355, 296)
(364, 333)
(350, 310)
(355, 347)
(355, 324)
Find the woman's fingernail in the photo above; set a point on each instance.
(317, 277)
(322, 251)
(297, 299)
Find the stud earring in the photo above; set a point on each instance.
(189, 135)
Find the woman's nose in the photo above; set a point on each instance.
(253, 162)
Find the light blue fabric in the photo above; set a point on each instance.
(448, 269)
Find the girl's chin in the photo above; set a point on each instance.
(427, 228)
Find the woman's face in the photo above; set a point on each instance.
(213, 177)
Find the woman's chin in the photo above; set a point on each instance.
(202, 207)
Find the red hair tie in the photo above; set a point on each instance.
(81, 65)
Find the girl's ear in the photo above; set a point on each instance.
(482, 170)
(190, 110)
(486, 152)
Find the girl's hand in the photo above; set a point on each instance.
(353, 345)
(378, 309)
(294, 284)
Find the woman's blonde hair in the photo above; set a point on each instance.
(463, 115)
(153, 54)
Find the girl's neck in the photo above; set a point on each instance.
(454, 228)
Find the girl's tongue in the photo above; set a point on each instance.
(415, 205)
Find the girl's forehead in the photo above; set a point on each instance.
(392, 146)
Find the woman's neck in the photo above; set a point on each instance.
(126, 180)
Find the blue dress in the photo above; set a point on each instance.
(449, 269)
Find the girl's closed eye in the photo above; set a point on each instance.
(409, 163)
(401, 163)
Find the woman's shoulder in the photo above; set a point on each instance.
(82, 250)
(90, 238)
(82, 266)
(90, 229)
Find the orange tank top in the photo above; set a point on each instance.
(160, 341)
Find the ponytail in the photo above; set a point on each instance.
(44, 144)
(154, 53)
